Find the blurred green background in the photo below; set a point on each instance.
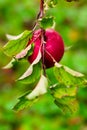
(71, 23)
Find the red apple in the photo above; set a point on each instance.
(54, 47)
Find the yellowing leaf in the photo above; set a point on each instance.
(65, 97)
(64, 92)
(69, 77)
(59, 91)
(67, 104)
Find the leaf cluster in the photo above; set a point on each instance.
(65, 82)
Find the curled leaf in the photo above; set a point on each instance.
(67, 69)
(40, 89)
(11, 37)
(30, 69)
(10, 64)
(23, 53)
(33, 79)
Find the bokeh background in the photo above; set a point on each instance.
(71, 23)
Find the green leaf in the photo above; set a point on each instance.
(51, 76)
(33, 78)
(47, 22)
(67, 104)
(17, 44)
(24, 53)
(23, 103)
(69, 77)
(30, 71)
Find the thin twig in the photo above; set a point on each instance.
(40, 14)
(41, 8)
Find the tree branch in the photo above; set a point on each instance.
(42, 37)
(41, 15)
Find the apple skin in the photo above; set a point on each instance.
(54, 46)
